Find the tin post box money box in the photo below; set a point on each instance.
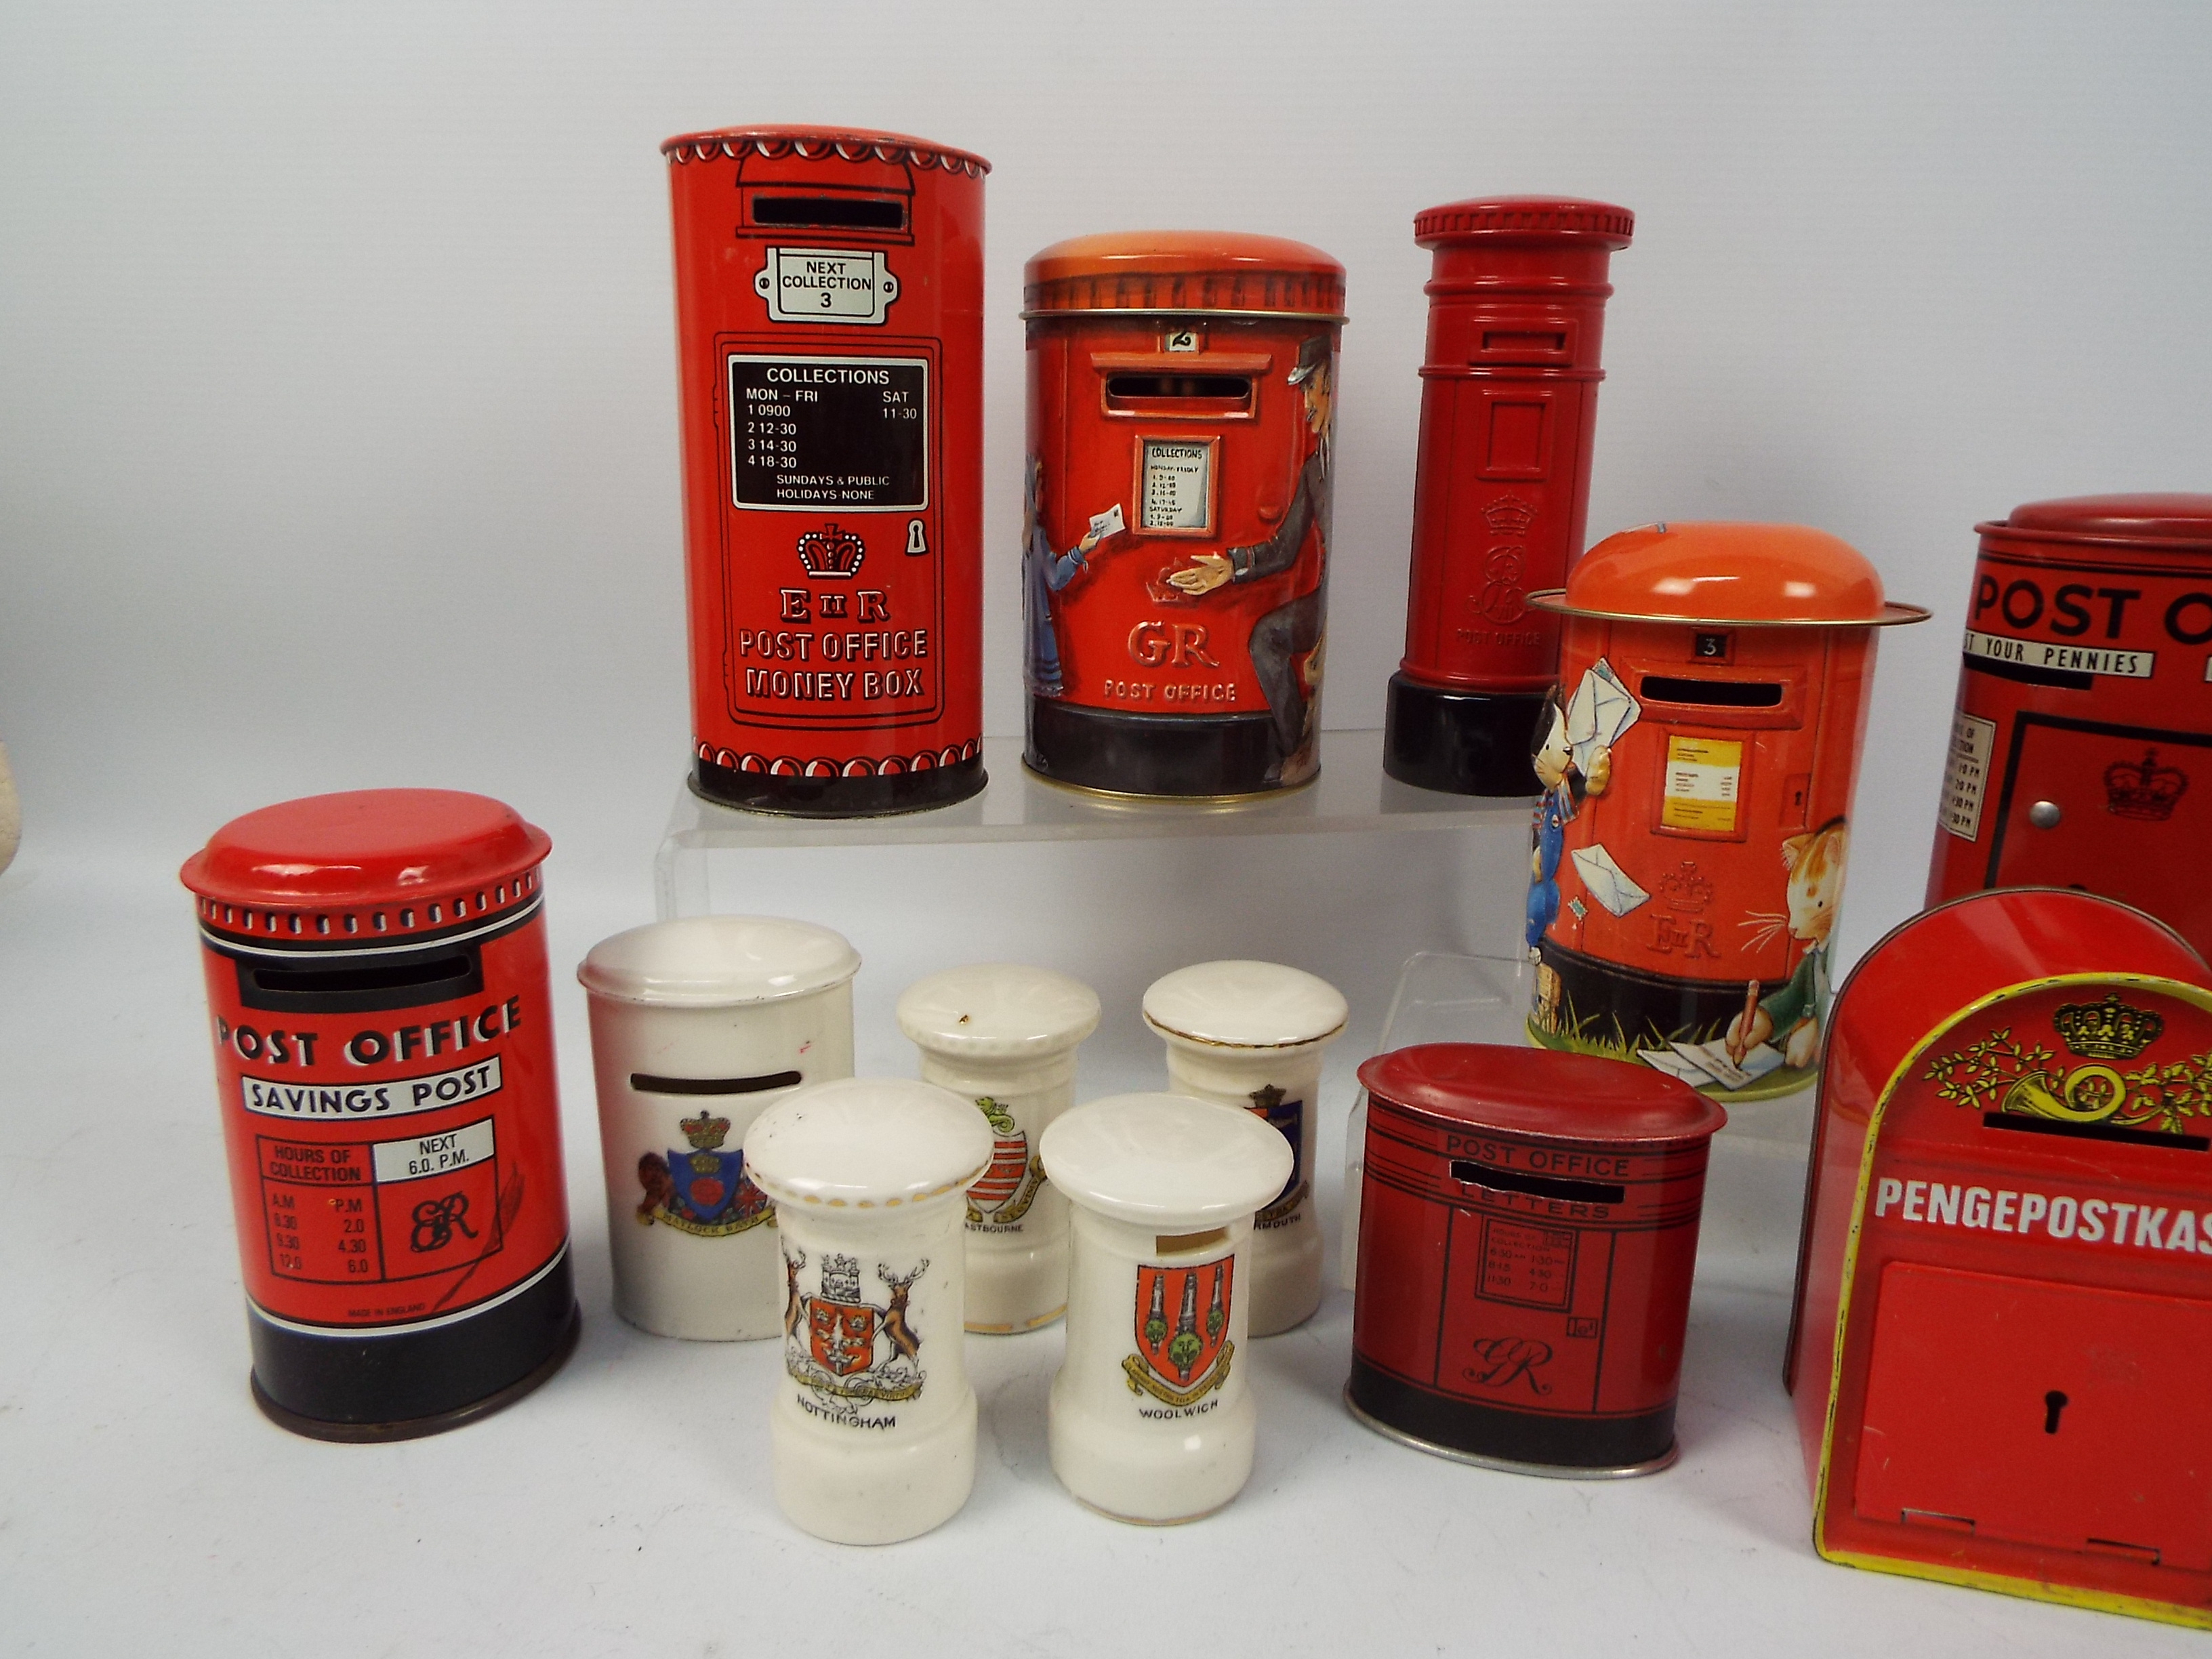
(698, 1026)
(1249, 1036)
(2081, 746)
(376, 980)
(829, 339)
(1528, 1230)
(2003, 1300)
(1509, 415)
(1005, 1035)
(1151, 1417)
(1697, 761)
(1175, 543)
(873, 1434)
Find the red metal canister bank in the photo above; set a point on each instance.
(2004, 1287)
(829, 338)
(1509, 413)
(1696, 765)
(1175, 548)
(2082, 745)
(383, 1032)
(1527, 1229)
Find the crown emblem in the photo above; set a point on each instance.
(841, 1278)
(830, 554)
(2144, 790)
(1684, 889)
(1268, 1096)
(1509, 515)
(704, 1132)
(2111, 1030)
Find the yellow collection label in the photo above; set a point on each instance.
(1703, 776)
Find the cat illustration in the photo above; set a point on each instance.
(1815, 865)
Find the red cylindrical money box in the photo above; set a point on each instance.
(1697, 762)
(2002, 1315)
(2082, 745)
(829, 346)
(1527, 1228)
(1175, 543)
(384, 1064)
(1509, 413)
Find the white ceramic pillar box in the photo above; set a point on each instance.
(1004, 1036)
(698, 1026)
(1151, 1416)
(873, 1434)
(1250, 1034)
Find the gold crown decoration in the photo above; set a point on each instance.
(830, 554)
(706, 1131)
(2144, 789)
(1509, 515)
(1684, 889)
(2111, 1030)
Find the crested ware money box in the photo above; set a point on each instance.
(1151, 1417)
(383, 1025)
(872, 1433)
(1249, 1035)
(1528, 1230)
(1005, 1035)
(698, 1026)
(1174, 546)
(2082, 745)
(2004, 1294)
(1697, 759)
(829, 347)
(1509, 415)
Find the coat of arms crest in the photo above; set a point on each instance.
(705, 1191)
(1002, 1194)
(1289, 1117)
(837, 1344)
(1183, 1350)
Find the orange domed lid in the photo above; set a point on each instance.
(1184, 271)
(1747, 575)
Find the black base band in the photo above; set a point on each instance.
(1148, 755)
(397, 1388)
(1462, 743)
(876, 796)
(1575, 1443)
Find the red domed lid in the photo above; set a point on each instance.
(1184, 271)
(1746, 575)
(2173, 519)
(368, 861)
(1541, 1091)
(820, 143)
(1525, 219)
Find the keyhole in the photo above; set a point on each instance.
(2053, 1403)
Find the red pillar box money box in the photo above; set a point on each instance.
(2081, 747)
(1527, 1226)
(2004, 1287)
(383, 1065)
(1697, 763)
(1175, 539)
(1508, 412)
(829, 341)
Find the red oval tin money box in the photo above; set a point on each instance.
(829, 346)
(383, 1032)
(2004, 1284)
(1697, 762)
(1527, 1228)
(2082, 745)
(1175, 543)
(1509, 413)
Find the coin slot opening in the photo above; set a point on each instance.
(1713, 694)
(1523, 341)
(647, 1083)
(1535, 1186)
(1219, 393)
(2045, 1126)
(831, 212)
(1176, 1243)
(356, 986)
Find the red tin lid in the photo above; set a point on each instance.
(1745, 575)
(1542, 1093)
(1184, 271)
(2165, 520)
(366, 862)
(820, 143)
(1525, 219)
